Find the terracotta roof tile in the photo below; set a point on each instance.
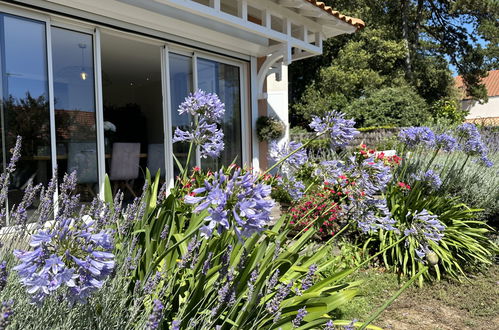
(356, 22)
(491, 82)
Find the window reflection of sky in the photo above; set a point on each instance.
(25, 58)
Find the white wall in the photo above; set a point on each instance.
(277, 99)
(477, 110)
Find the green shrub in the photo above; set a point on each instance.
(392, 106)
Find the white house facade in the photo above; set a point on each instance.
(482, 113)
(94, 85)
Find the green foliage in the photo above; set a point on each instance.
(391, 106)
(189, 294)
(465, 246)
(448, 111)
(269, 128)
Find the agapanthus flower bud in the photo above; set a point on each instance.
(432, 258)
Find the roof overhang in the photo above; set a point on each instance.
(283, 31)
(252, 27)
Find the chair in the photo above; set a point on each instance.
(156, 158)
(125, 164)
(82, 158)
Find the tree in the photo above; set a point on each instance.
(408, 42)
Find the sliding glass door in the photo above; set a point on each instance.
(74, 95)
(224, 80)
(25, 101)
(74, 107)
(194, 72)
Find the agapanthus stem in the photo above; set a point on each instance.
(186, 167)
(393, 298)
(432, 159)
(464, 164)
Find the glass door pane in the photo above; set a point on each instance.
(223, 79)
(180, 87)
(133, 110)
(24, 106)
(74, 104)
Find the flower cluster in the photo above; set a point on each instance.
(445, 142)
(429, 177)
(403, 186)
(207, 111)
(361, 178)
(425, 227)
(298, 157)
(470, 141)
(302, 312)
(415, 136)
(291, 156)
(365, 153)
(234, 200)
(472, 144)
(319, 209)
(3, 275)
(340, 130)
(71, 254)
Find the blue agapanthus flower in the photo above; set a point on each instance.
(415, 136)
(289, 166)
(292, 163)
(207, 112)
(72, 255)
(429, 177)
(445, 142)
(293, 186)
(340, 130)
(235, 201)
(330, 171)
(471, 143)
(425, 227)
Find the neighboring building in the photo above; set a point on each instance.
(80, 75)
(486, 113)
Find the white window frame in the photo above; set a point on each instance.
(95, 29)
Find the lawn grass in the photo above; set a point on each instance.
(473, 303)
